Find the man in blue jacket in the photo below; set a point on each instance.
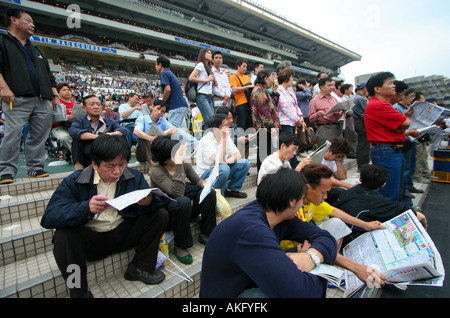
(84, 130)
(243, 257)
(88, 229)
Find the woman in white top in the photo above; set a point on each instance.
(203, 76)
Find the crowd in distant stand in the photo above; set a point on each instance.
(303, 210)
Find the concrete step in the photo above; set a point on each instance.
(28, 268)
(36, 274)
(21, 234)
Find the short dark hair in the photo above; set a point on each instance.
(276, 190)
(257, 64)
(409, 90)
(148, 95)
(400, 86)
(107, 147)
(161, 103)
(344, 87)
(216, 120)
(288, 138)
(324, 80)
(418, 94)
(373, 176)
(261, 77)
(339, 145)
(61, 85)
(13, 12)
(285, 75)
(320, 74)
(131, 95)
(300, 81)
(223, 110)
(163, 60)
(162, 148)
(338, 83)
(88, 97)
(315, 172)
(377, 80)
(217, 53)
(240, 62)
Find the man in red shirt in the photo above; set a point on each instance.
(386, 129)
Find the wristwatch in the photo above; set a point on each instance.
(314, 257)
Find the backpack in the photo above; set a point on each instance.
(191, 90)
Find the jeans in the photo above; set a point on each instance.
(391, 160)
(410, 167)
(236, 173)
(206, 106)
(179, 117)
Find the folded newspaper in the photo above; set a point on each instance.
(332, 274)
(403, 252)
(127, 199)
(154, 130)
(342, 106)
(319, 153)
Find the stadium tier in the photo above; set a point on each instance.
(128, 35)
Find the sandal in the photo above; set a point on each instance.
(187, 259)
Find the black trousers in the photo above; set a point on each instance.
(363, 146)
(186, 209)
(244, 116)
(75, 246)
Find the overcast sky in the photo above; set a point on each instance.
(408, 38)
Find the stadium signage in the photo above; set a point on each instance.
(71, 44)
(214, 48)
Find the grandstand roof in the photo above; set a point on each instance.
(250, 16)
(239, 28)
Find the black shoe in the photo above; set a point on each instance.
(133, 274)
(38, 174)
(415, 190)
(235, 194)
(409, 195)
(6, 178)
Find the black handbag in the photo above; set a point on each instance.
(306, 136)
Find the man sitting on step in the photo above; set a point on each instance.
(88, 229)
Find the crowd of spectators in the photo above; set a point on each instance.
(303, 211)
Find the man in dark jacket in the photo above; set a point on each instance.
(27, 89)
(364, 202)
(243, 257)
(84, 130)
(88, 229)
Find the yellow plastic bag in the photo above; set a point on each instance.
(223, 208)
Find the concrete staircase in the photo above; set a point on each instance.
(28, 268)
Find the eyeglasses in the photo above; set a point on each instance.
(113, 165)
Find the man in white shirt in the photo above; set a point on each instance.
(316, 89)
(221, 90)
(289, 144)
(232, 169)
(258, 67)
(332, 159)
